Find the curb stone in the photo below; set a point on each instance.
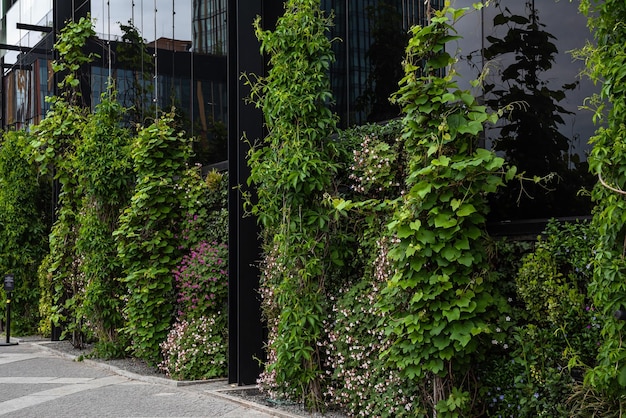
(220, 393)
(126, 373)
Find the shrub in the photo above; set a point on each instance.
(196, 346)
(196, 350)
(362, 384)
(539, 360)
(201, 280)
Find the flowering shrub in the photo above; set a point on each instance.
(201, 280)
(196, 346)
(361, 383)
(377, 167)
(196, 350)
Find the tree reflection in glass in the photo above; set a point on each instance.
(530, 134)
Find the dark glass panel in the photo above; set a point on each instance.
(524, 50)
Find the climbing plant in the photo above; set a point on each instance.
(606, 64)
(436, 302)
(52, 149)
(291, 169)
(72, 59)
(24, 224)
(102, 166)
(147, 235)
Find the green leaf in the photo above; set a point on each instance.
(452, 314)
(421, 189)
(467, 98)
(621, 379)
(466, 209)
(404, 231)
(444, 220)
(450, 253)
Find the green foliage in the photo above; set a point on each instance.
(206, 206)
(102, 166)
(539, 357)
(553, 278)
(44, 279)
(606, 63)
(362, 383)
(147, 234)
(423, 225)
(438, 299)
(70, 46)
(196, 345)
(291, 169)
(53, 150)
(23, 228)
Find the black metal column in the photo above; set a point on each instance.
(246, 331)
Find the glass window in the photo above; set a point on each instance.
(373, 36)
(524, 50)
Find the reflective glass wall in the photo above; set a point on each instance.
(370, 38)
(163, 54)
(22, 102)
(524, 50)
(160, 53)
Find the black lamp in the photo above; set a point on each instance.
(9, 286)
(9, 283)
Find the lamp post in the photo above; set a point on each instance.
(9, 285)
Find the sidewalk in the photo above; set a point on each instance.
(36, 381)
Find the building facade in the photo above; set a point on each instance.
(195, 51)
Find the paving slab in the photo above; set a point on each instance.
(35, 382)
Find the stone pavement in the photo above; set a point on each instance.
(38, 382)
